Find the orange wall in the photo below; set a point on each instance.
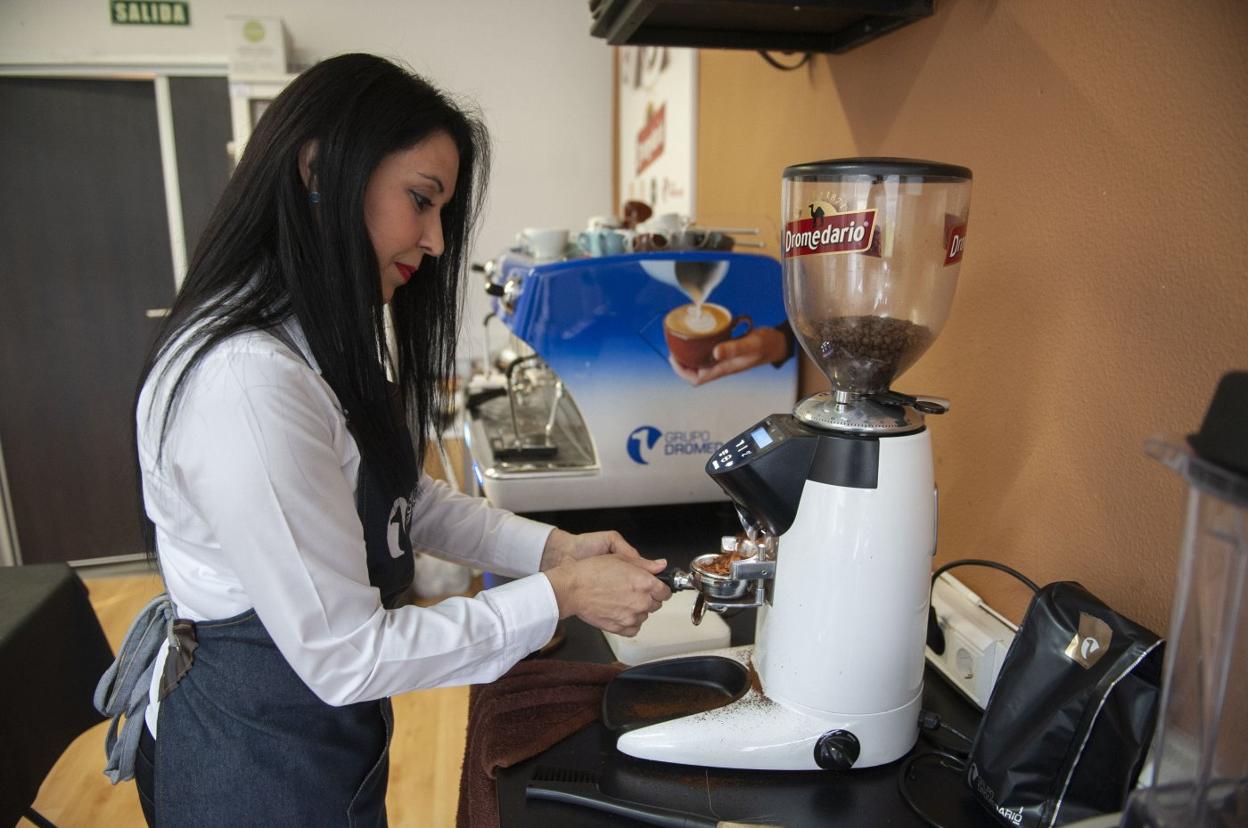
(1103, 290)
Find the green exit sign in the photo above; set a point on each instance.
(151, 12)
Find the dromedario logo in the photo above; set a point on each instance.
(641, 441)
(1091, 642)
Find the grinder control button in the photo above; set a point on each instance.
(837, 750)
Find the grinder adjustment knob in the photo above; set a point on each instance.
(837, 750)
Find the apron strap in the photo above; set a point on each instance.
(124, 687)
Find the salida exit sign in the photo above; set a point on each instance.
(151, 12)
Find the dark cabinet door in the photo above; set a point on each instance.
(201, 129)
(84, 253)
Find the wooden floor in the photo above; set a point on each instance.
(425, 754)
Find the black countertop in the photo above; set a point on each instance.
(868, 797)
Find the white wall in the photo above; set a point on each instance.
(542, 83)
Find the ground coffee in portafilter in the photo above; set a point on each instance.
(864, 353)
(722, 564)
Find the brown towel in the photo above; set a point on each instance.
(530, 708)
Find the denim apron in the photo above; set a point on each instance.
(243, 741)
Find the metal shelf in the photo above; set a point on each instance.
(830, 26)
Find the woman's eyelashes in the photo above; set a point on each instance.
(422, 202)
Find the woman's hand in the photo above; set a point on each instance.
(600, 578)
(562, 547)
(759, 347)
(612, 592)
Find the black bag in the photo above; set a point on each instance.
(1071, 715)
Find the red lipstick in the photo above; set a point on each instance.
(405, 271)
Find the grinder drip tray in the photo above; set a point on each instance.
(657, 692)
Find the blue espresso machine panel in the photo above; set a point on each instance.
(628, 335)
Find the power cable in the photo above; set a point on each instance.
(784, 67)
(947, 760)
(940, 570)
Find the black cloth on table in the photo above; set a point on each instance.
(52, 653)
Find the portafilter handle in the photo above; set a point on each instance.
(676, 579)
(486, 270)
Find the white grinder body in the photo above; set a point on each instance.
(842, 636)
(841, 632)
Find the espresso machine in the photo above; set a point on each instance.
(584, 402)
(837, 499)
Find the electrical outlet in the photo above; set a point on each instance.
(977, 638)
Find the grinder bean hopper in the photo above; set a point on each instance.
(838, 498)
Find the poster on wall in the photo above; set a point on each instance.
(657, 122)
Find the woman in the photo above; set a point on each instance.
(276, 460)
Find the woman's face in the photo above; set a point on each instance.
(403, 207)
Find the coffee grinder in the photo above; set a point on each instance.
(838, 499)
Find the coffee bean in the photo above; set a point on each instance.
(864, 353)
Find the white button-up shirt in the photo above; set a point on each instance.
(253, 499)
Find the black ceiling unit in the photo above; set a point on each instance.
(766, 25)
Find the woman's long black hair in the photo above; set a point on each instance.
(269, 253)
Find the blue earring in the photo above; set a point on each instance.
(314, 197)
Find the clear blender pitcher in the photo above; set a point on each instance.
(1198, 774)
(871, 248)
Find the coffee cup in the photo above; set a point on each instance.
(701, 240)
(649, 242)
(544, 242)
(692, 332)
(666, 223)
(604, 223)
(601, 242)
